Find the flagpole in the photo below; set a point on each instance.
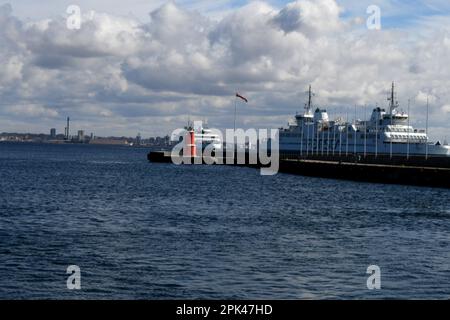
(376, 133)
(328, 139)
(426, 131)
(317, 140)
(407, 152)
(301, 140)
(323, 137)
(365, 131)
(347, 134)
(307, 139)
(235, 109)
(354, 136)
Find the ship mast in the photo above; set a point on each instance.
(393, 104)
(309, 104)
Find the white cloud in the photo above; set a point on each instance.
(31, 111)
(310, 17)
(11, 70)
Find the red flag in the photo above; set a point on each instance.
(243, 98)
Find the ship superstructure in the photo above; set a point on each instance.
(385, 133)
(205, 137)
(200, 136)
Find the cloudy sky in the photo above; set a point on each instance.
(148, 65)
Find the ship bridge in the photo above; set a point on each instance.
(306, 117)
(395, 119)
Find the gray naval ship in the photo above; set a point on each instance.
(387, 137)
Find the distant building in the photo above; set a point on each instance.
(67, 129)
(80, 135)
(138, 139)
(53, 133)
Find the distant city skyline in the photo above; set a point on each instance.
(81, 137)
(149, 66)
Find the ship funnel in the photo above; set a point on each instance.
(321, 115)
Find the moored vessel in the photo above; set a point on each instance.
(386, 137)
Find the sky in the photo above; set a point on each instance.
(148, 66)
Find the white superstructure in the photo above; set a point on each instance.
(384, 133)
(205, 137)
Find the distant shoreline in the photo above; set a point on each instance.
(81, 144)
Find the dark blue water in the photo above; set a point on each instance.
(153, 231)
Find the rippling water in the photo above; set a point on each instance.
(158, 231)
